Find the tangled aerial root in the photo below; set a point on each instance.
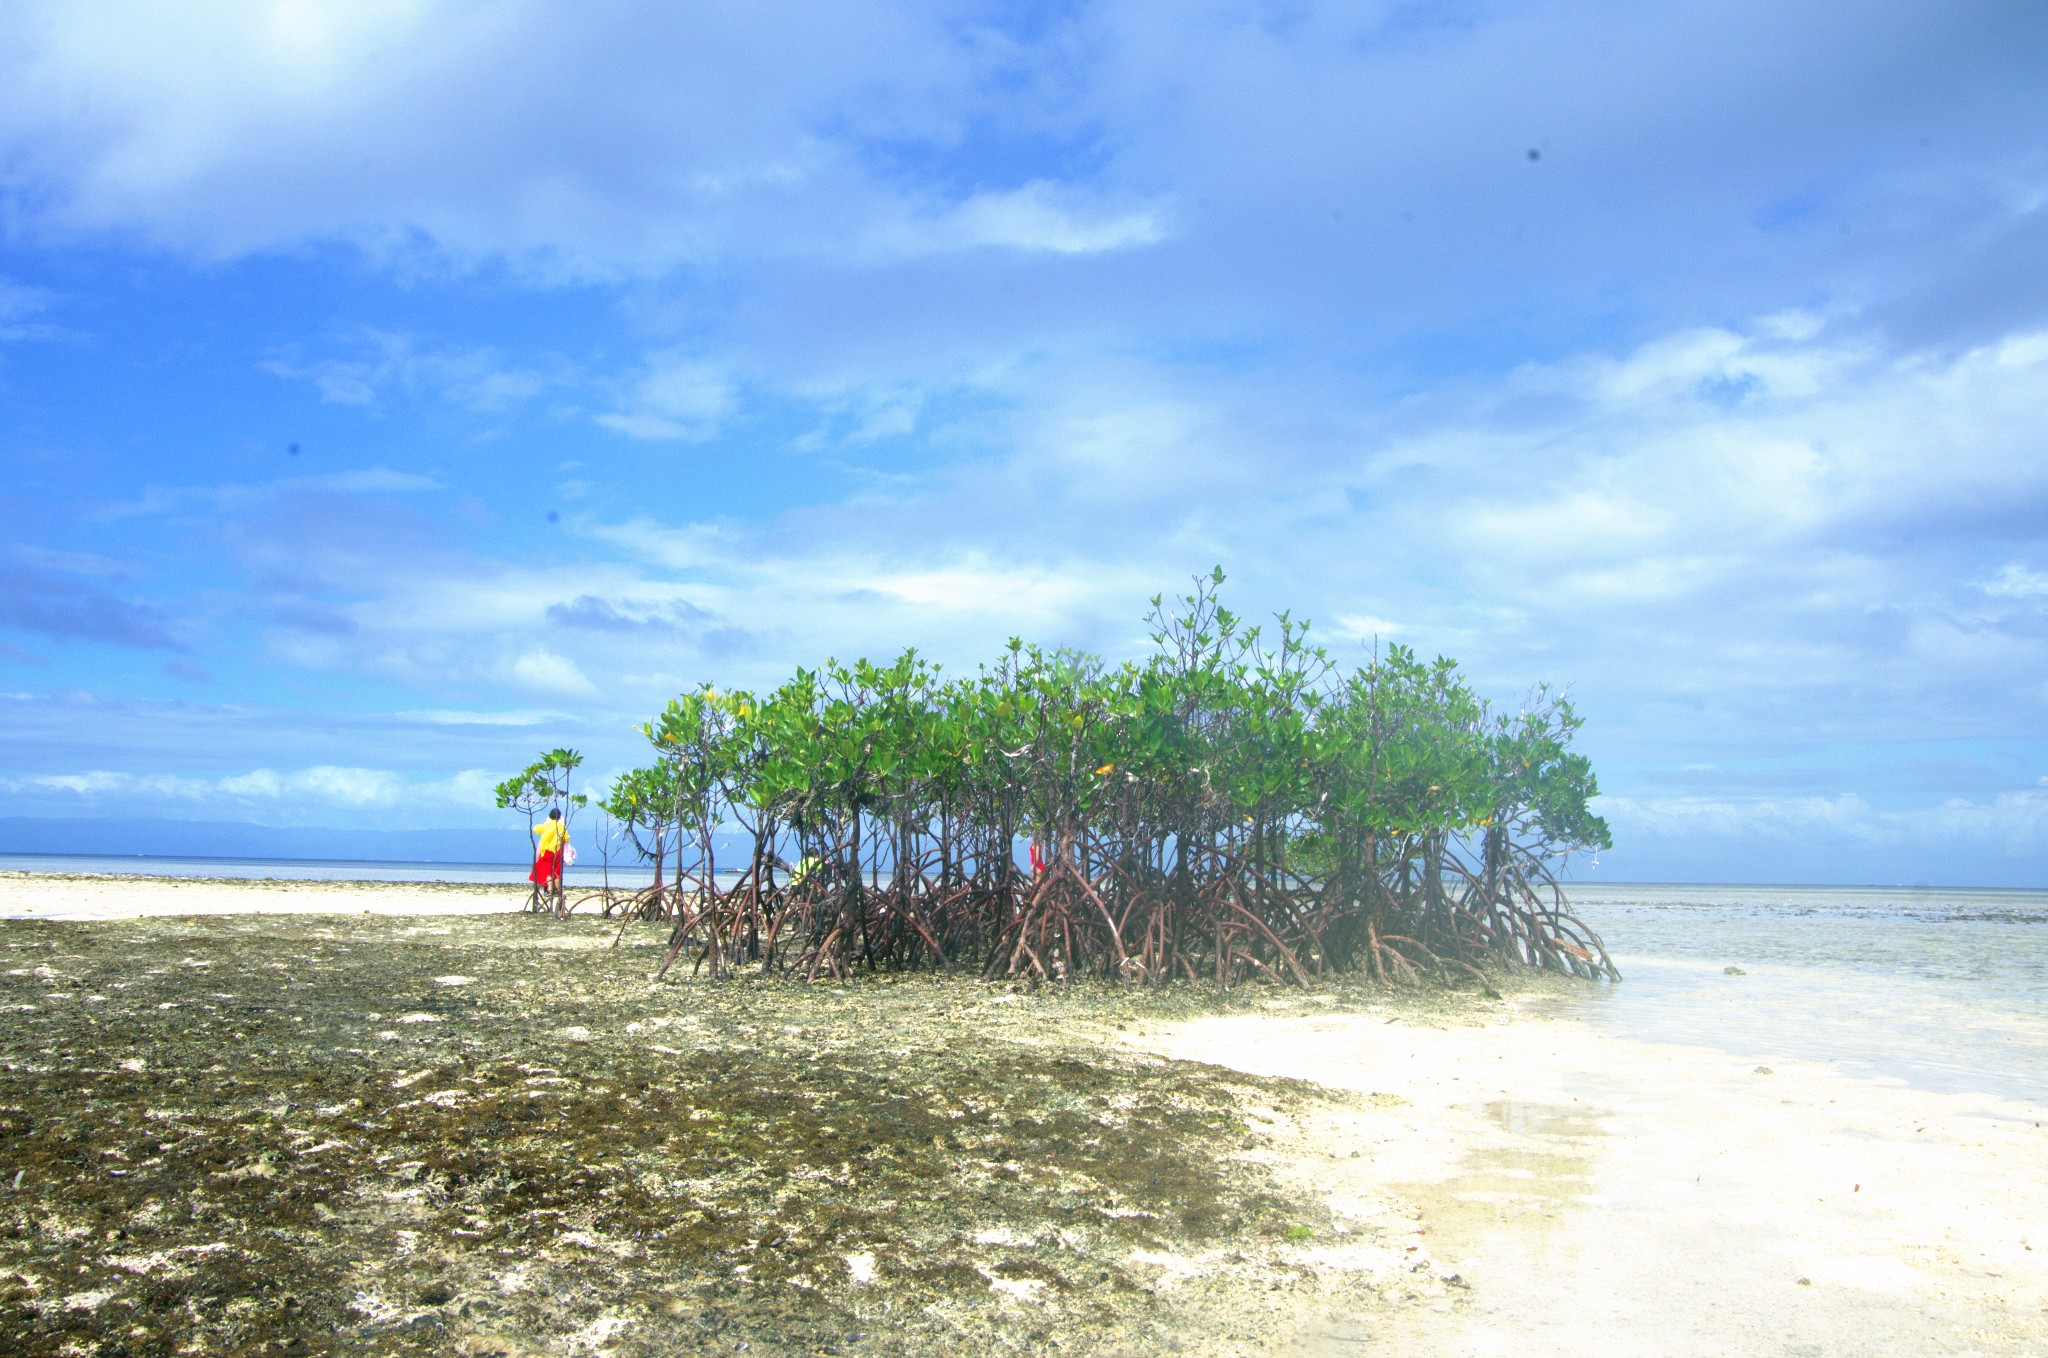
(1065, 923)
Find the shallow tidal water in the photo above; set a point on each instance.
(1942, 989)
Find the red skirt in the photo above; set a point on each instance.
(546, 868)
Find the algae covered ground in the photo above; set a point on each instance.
(492, 1134)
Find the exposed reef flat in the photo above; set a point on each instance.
(491, 1134)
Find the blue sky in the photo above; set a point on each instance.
(389, 388)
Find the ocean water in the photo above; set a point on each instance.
(584, 874)
(1944, 989)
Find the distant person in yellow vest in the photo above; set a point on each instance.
(554, 839)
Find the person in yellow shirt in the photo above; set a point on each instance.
(547, 864)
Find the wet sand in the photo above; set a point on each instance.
(1588, 1194)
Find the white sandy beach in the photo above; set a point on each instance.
(1526, 1184)
(103, 897)
(1543, 1188)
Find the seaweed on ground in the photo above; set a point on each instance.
(492, 1135)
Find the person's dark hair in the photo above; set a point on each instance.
(555, 814)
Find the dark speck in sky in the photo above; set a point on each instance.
(1535, 153)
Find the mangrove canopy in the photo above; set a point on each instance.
(1234, 806)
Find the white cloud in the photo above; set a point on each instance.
(322, 785)
(1040, 216)
(1364, 627)
(450, 717)
(367, 481)
(677, 547)
(975, 584)
(2014, 821)
(242, 498)
(649, 428)
(470, 788)
(2015, 581)
(1561, 522)
(255, 783)
(586, 141)
(1349, 163)
(102, 782)
(477, 379)
(350, 787)
(674, 397)
(551, 673)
